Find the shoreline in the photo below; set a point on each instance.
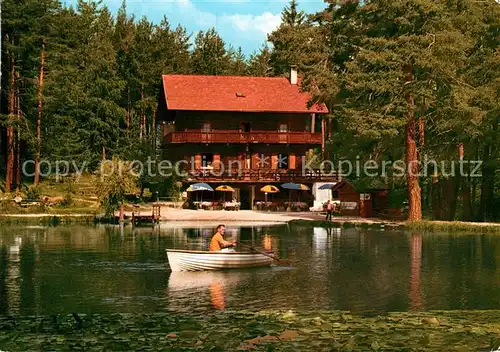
(171, 217)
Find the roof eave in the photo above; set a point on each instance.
(252, 110)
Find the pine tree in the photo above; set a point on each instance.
(259, 63)
(480, 131)
(27, 25)
(210, 56)
(238, 64)
(123, 41)
(297, 42)
(101, 114)
(291, 17)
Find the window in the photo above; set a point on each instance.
(282, 137)
(206, 127)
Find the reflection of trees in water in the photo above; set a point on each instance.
(87, 268)
(462, 270)
(367, 271)
(30, 282)
(13, 280)
(3, 277)
(415, 293)
(76, 268)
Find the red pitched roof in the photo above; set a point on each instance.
(221, 93)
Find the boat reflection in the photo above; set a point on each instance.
(185, 287)
(217, 295)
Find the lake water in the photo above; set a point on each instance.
(106, 269)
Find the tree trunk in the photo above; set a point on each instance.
(18, 140)
(103, 153)
(330, 132)
(38, 121)
(450, 198)
(414, 196)
(455, 182)
(421, 141)
(153, 130)
(473, 192)
(436, 198)
(421, 132)
(128, 122)
(142, 119)
(465, 185)
(482, 216)
(323, 139)
(10, 128)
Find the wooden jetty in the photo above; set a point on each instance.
(152, 218)
(138, 218)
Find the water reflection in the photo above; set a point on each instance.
(267, 242)
(217, 294)
(45, 270)
(13, 279)
(415, 293)
(185, 289)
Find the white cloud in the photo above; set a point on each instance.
(187, 8)
(248, 25)
(264, 23)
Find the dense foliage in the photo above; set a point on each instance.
(115, 180)
(402, 79)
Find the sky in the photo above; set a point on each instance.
(242, 23)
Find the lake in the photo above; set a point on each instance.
(108, 269)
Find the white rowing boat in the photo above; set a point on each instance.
(187, 260)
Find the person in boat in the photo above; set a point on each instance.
(218, 243)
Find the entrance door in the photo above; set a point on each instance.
(245, 199)
(245, 127)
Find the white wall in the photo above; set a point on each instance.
(321, 196)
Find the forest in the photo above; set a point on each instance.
(403, 80)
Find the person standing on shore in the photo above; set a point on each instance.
(329, 210)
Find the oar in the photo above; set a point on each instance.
(281, 261)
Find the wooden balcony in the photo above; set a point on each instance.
(262, 175)
(225, 137)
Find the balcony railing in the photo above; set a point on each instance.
(263, 175)
(223, 136)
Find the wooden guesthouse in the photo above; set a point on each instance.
(245, 132)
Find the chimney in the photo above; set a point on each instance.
(293, 74)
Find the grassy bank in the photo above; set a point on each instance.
(266, 331)
(347, 224)
(453, 226)
(424, 226)
(48, 219)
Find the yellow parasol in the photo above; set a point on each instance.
(269, 189)
(225, 188)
